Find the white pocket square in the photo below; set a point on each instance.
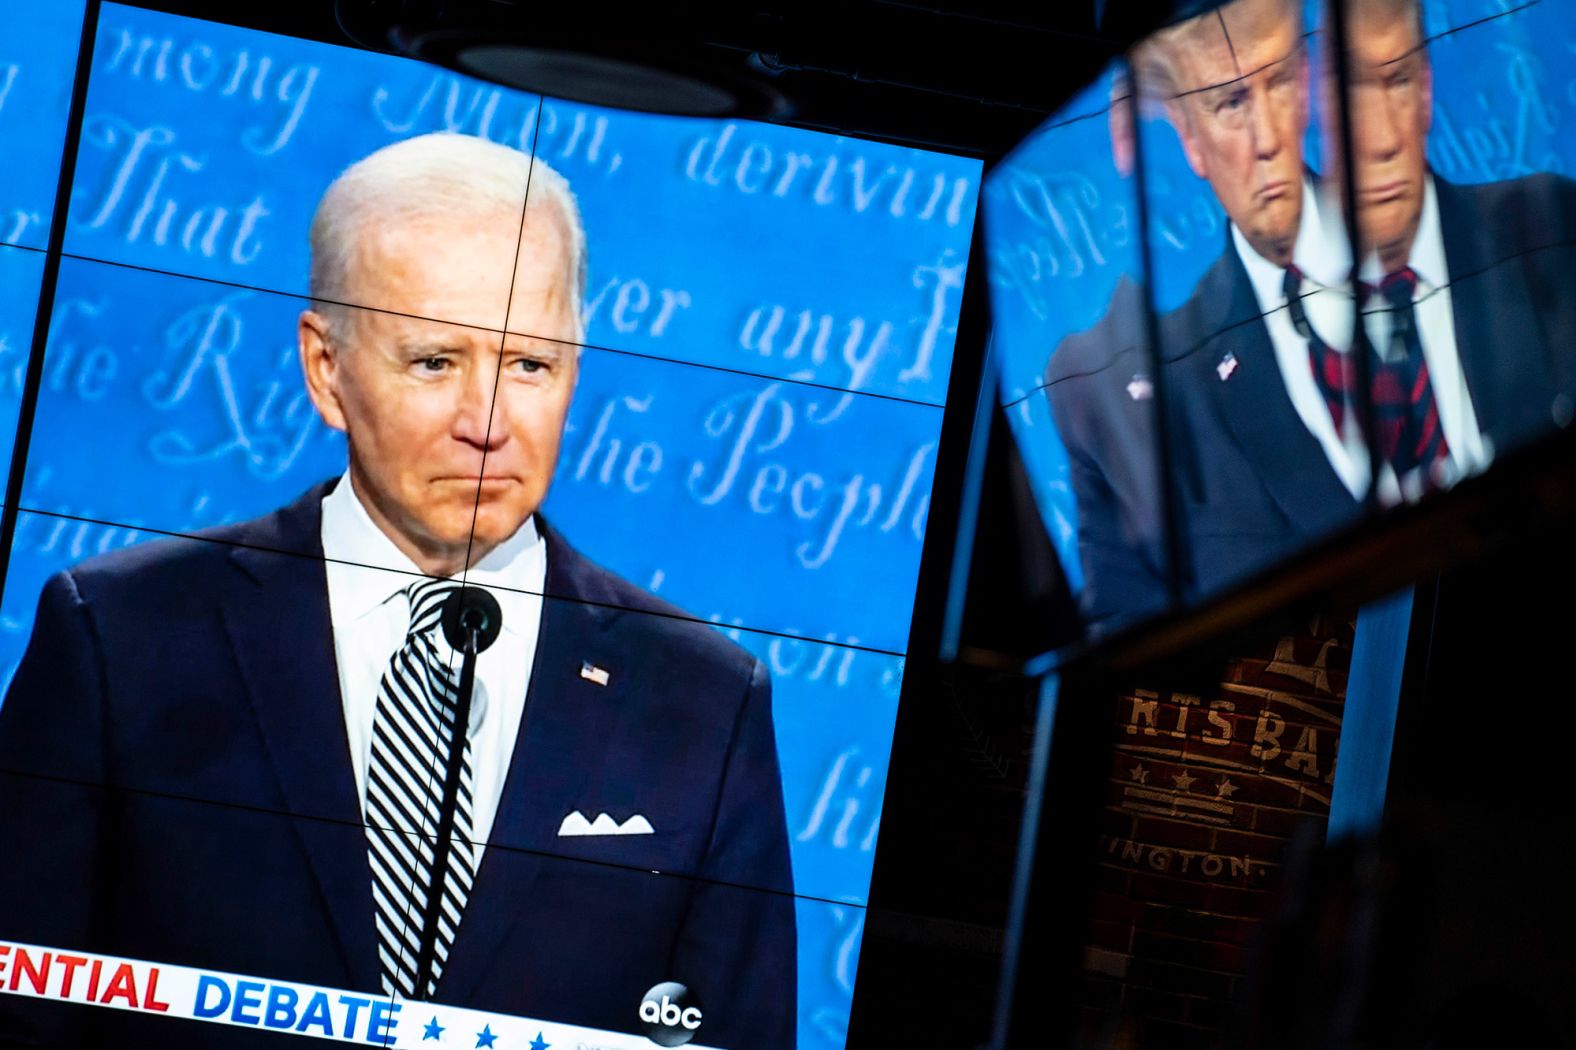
(577, 824)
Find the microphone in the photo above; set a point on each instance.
(471, 620)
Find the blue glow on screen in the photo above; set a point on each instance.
(1061, 219)
(38, 58)
(770, 321)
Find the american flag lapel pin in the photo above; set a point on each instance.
(593, 673)
(1227, 367)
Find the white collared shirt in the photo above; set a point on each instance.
(1322, 256)
(1320, 253)
(1470, 451)
(366, 572)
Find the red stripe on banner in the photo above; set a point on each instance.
(191, 995)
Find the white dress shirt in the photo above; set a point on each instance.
(1322, 256)
(1320, 253)
(366, 572)
(1470, 451)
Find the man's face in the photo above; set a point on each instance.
(1392, 108)
(1241, 116)
(431, 445)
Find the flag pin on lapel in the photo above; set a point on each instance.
(593, 673)
(1227, 367)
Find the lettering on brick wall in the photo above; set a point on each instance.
(1190, 863)
(1252, 730)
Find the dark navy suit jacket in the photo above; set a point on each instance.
(175, 785)
(1252, 485)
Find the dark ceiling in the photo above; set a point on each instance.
(969, 76)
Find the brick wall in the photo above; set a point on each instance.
(1204, 794)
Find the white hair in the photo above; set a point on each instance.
(1160, 59)
(443, 175)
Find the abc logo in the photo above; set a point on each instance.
(670, 1014)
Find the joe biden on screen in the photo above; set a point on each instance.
(226, 751)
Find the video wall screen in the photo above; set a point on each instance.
(334, 332)
(1253, 390)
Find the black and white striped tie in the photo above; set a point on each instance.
(411, 732)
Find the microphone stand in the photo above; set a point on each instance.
(471, 621)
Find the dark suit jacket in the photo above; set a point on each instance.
(1109, 436)
(1252, 485)
(177, 787)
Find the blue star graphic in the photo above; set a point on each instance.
(538, 1043)
(433, 1030)
(485, 1037)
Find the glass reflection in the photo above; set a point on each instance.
(1255, 349)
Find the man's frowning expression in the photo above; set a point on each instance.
(1241, 110)
(1392, 109)
(449, 421)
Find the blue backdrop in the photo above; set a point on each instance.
(770, 319)
(1061, 221)
(38, 55)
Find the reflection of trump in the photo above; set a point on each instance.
(1234, 85)
(1465, 297)
(219, 751)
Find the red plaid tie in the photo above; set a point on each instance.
(1405, 414)
(1332, 371)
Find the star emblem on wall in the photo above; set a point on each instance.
(539, 1043)
(1183, 781)
(1225, 788)
(432, 1030)
(1139, 774)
